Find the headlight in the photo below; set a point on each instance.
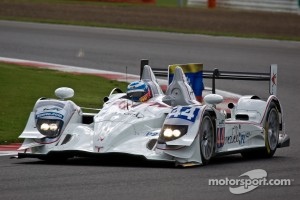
(168, 132)
(176, 133)
(172, 132)
(49, 127)
(45, 127)
(53, 127)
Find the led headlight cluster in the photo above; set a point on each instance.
(172, 132)
(49, 127)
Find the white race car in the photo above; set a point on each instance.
(171, 126)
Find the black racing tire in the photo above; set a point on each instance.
(271, 127)
(207, 138)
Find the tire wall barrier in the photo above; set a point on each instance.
(292, 6)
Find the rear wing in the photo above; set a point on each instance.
(229, 75)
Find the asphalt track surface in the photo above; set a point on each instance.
(112, 49)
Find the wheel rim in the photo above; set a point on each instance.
(273, 129)
(206, 140)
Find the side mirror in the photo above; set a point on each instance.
(213, 99)
(64, 93)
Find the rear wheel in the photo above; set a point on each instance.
(206, 138)
(271, 135)
(272, 131)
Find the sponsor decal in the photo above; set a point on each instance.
(49, 114)
(99, 148)
(135, 114)
(53, 108)
(151, 133)
(185, 112)
(158, 104)
(237, 137)
(234, 137)
(243, 136)
(123, 104)
(249, 181)
(220, 137)
(274, 77)
(154, 104)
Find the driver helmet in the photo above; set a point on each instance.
(138, 91)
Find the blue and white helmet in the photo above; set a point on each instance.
(138, 91)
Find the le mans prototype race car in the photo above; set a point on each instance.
(172, 126)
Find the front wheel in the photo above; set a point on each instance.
(206, 136)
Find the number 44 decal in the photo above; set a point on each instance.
(186, 113)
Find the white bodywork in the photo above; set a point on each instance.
(123, 126)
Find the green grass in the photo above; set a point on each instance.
(172, 3)
(20, 87)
